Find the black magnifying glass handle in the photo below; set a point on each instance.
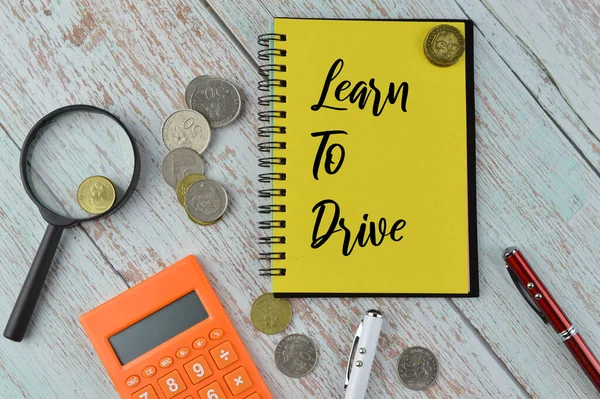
(32, 287)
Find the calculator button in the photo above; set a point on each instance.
(199, 343)
(217, 333)
(224, 355)
(149, 371)
(253, 396)
(165, 362)
(172, 384)
(133, 381)
(213, 391)
(197, 369)
(145, 393)
(238, 380)
(182, 353)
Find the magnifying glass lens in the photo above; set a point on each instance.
(71, 148)
(76, 163)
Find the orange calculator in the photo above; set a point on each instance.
(169, 337)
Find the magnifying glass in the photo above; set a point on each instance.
(64, 149)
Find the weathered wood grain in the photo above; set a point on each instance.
(135, 60)
(532, 185)
(99, 62)
(561, 37)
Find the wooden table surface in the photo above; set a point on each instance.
(538, 186)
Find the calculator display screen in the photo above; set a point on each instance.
(158, 327)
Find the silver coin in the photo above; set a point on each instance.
(206, 201)
(418, 368)
(179, 163)
(186, 128)
(189, 90)
(218, 100)
(296, 355)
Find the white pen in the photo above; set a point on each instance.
(362, 355)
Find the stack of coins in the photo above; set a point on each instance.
(212, 103)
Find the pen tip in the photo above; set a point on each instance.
(509, 251)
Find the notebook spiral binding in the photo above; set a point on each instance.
(269, 53)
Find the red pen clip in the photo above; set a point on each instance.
(520, 287)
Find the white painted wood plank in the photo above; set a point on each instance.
(535, 206)
(55, 360)
(111, 59)
(553, 46)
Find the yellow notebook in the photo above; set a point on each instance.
(371, 151)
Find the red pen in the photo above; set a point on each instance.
(535, 293)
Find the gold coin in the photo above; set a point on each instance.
(184, 185)
(444, 45)
(96, 195)
(271, 315)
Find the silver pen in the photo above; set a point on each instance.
(362, 354)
